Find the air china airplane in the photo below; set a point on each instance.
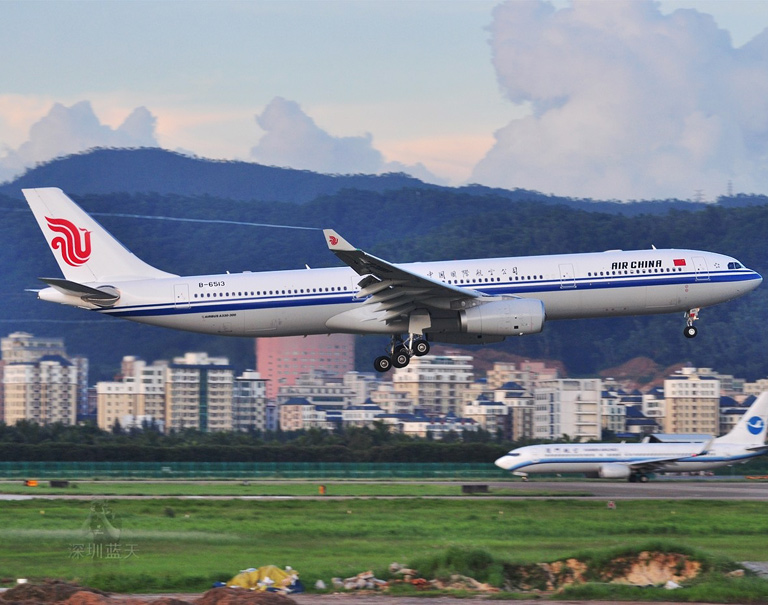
(463, 301)
(634, 461)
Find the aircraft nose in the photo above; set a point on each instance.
(504, 462)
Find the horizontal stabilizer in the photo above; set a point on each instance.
(104, 296)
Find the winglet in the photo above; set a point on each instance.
(336, 243)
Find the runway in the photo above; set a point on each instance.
(653, 490)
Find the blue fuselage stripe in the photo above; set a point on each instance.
(514, 288)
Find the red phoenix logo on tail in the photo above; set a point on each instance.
(333, 240)
(74, 243)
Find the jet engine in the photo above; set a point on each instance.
(614, 471)
(512, 317)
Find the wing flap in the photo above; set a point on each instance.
(397, 291)
(105, 296)
(659, 463)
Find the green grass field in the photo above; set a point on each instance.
(185, 545)
(259, 488)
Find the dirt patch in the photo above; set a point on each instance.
(67, 593)
(53, 591)
(235, 596)
(648, 569)
(643, 569)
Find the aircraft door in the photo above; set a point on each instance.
(181, 296)
(700, 265)
(567, 277)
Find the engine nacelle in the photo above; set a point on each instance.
(513, 317)
(614, 471)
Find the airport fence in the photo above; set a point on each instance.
(248, 470)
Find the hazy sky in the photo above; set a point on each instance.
(619, 99)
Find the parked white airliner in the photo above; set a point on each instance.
(462, 301)
(634, 461)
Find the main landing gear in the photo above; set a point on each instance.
(400, 352)
(690, 330)
(638, 478)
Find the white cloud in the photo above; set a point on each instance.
(66, 130)
(293, 139)
(627, 102)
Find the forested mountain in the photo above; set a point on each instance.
(401, 224)
(158, 171)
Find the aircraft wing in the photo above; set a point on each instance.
(656, 464)
(398, 291)
(649, 466)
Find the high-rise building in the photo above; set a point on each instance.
(281, 361)
(568, 406)
(21, 347)
(520, 407)
(39, 382)
(319, 387)
(436, 383)
(139, 394)
(44, 391)
(527, 374)
(693, 402)
(250, 411)
(198, 393)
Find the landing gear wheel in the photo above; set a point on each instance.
(690, 331)
(382, 364)
(420, 348)
(643, 478)
(401, 358)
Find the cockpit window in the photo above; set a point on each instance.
(735, 266)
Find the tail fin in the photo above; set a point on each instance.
(751, 428)
(85, 251)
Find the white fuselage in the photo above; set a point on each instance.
(297, 302)
(594, 459)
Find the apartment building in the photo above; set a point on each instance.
(527, 374)
(39, 381)
(568, 407)
(250, 408)
(692, 402)
(490, 415)
(198, 393)
(44, 391)
(520, 405)
(436, 384)
(140, 393)
(320, 387)
(391, 400)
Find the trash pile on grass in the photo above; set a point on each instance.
(268, 578)
(478, 572)
(362, 581)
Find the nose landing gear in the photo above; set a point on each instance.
(400, 352)
(690, 330)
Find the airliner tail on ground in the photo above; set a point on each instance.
(634, 461)
(463, 301)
